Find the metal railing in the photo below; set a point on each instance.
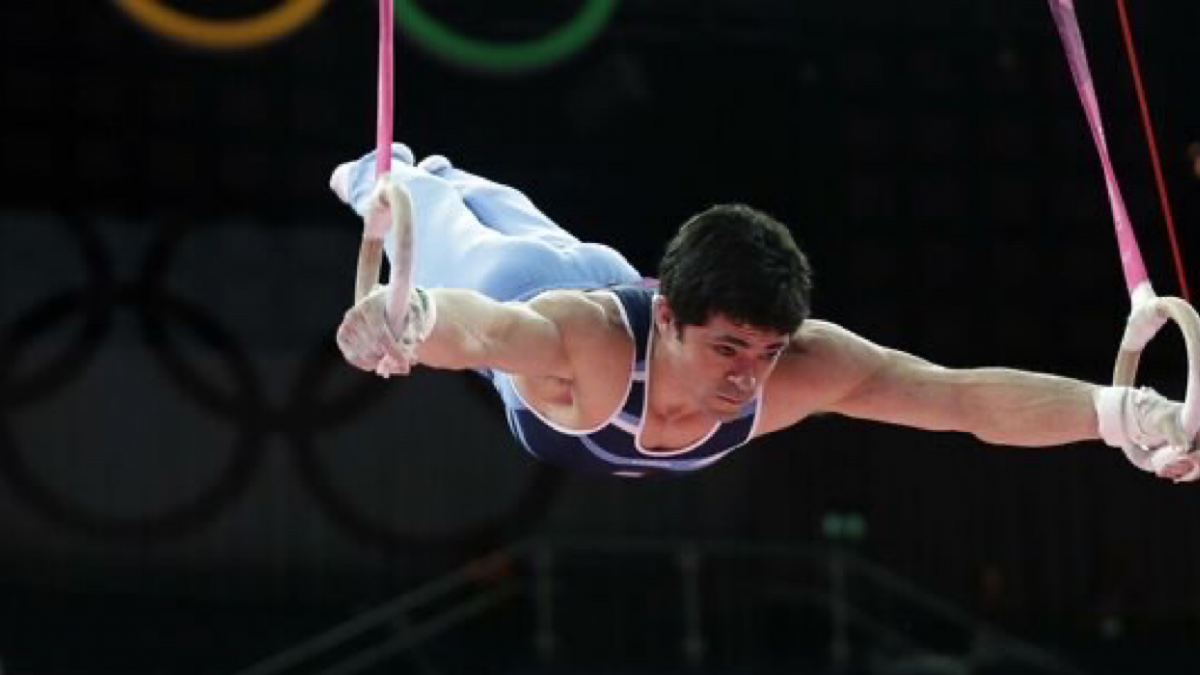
(857, 602)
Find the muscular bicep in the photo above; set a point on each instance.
(832, 370)
(902, 389)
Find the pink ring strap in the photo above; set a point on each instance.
(383, 120)
(1068, 30)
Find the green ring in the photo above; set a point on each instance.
(504, 58)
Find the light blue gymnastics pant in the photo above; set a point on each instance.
(475, 234)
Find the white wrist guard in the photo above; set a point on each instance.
(417, 325)
(1148, 429)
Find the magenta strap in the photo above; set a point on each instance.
(370, 252)
(383, 124)
(1068, 30)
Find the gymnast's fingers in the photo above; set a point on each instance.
(356, 345)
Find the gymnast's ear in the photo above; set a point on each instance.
(664, 318)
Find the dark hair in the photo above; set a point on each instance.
(739, 262)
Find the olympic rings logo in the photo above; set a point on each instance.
(436, 37)
(239, 33)
(505, 58)
(164, 320)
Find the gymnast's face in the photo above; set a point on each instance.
(720, 363)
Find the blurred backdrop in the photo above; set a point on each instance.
(191, 480)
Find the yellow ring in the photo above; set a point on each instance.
(237, 33)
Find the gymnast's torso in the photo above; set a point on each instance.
(619, 442)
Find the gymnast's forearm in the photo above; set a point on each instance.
(466, 332)
(475, 331)
(1012, 407)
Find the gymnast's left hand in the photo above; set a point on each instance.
(367, 340)
(373, 341)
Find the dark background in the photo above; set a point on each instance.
(190, 479)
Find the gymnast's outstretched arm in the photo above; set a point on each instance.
(466, 329)
(830, 369)
(859, 378)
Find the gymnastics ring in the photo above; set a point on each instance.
(1149, 313)
(505, 58)
(236, 33)
(1148, 316)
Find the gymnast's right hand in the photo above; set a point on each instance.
(1149, 429)
(371, 341)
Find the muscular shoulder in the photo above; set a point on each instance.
(823, 363)
(587, 313)
(821, 344)
(599, 350)
(590, 327)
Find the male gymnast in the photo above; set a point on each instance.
(600, 371)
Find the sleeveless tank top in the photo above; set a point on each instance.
(613, 447)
